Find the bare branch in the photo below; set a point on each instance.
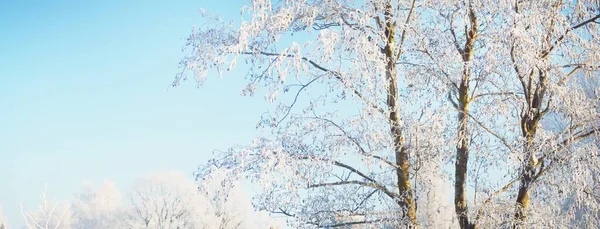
(373, 183)
(448, 79)
(493, 94)
(403, 36)
(493, 195)
(493, 133)
(337, 75)
(568, 76)
(350, 223)
(361, 149)
(296, 99)
(547, 52)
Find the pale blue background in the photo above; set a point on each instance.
(84, 95)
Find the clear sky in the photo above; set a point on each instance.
(84, 95)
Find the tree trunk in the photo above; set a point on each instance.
(407, 202)
(527, 178)
(529, 123)
(462, 159)
(523, 197)
(462, 147)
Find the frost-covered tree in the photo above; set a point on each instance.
(97, 208)
(170, 200)
(452, 53)
(3, 223)
(372, 94)
(541, 37)
(49, 215)
(580, 202)
(166, 200)
(230, 209)
(342, 140)
(487, 86)
(549, 42)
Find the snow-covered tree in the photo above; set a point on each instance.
(169, 199)
(3, 223)
(326, 161)
(97, 208)
(372, 94)
(163, 199)
(544, 58)
(49, 215)
(166, 200)
(231, 208)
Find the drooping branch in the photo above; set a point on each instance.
(288, 214)
(336, 163)
(361, 183)
(353, 140)
(560, 147)
(372, 182)
(351, 223)
(321, 225)
(493, 94)
(318, 66)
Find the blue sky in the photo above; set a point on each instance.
(84, 95)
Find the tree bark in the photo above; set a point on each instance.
(535, 95)
(462, 159)
(462, 147)
(407, 202)
(529, 125)
(522, 204)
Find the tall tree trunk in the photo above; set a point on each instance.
(462, 158)
(462, 147)
(522, 204)
(535, 94)
(529, 125)
(407, 202)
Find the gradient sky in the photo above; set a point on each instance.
(84, 95)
